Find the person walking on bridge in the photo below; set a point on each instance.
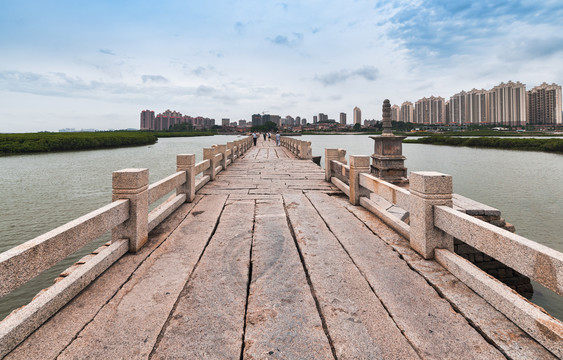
(278, 138)
(254, 137)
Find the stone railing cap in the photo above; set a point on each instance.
(430, 182)
(130, 178)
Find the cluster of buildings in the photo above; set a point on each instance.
(169, 118)
(507, 104)
(320, 121)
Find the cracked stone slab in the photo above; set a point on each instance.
(208, 319)
(282, 319)
(129, 324)
(506, 336)
(358, 324)
(57, 333)
(427, 320)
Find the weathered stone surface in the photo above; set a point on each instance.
(427, 320)
(358, 324)
(530, 317)
(208, 319)
(532, 259)
(21, 263)
(428, 189)
(506, 336)
(362, 293)
(282, 319)
(18, 325)
(58, 332)
(129, 324)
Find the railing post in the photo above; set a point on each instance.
(428, 188)
(186, 162)
(333, 154)
(132, 184)
(358, 164)
(223, 150)
(231, 146)
(209, 154)
(236, 148)
(306, 150)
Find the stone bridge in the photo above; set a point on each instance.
(257, 255)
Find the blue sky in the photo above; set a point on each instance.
(97, 64)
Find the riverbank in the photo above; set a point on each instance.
(11, 144)
(546, 145)
(51, 142)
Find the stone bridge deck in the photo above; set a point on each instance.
(270, 261)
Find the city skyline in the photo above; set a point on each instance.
(94, 65)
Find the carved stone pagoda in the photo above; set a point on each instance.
(388, 162)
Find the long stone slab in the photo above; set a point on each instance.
(427, 320)
(59, 331)
(357, 322)
(129, 324)
(208, 319)
(282, 319)
(506, 336)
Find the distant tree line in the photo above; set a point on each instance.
(547, 145)
(47, 142)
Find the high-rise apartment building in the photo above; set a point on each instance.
(395, 113)
(323, 117)
(407, 112)
(276, 119)
(342, 118)
(256, 120)
(225, 122)
(507, 104)
(544, 105)
(477, 102)
(430, 111)
(147, 120)
(458, 108)
(357, 116)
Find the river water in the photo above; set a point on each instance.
(40, 192)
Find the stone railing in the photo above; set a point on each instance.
(432, 224)
(302, 149)
(127, 217)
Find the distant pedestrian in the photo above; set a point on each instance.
(278, 138)
(254, 138)
(264, 136)
(269, 136)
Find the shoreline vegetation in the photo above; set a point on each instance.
(15, 144)
(545, 145)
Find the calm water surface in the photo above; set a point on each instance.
(41, 192)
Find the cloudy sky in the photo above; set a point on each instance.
(97, 64)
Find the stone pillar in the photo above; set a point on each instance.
(333, 154)
(306, 151)
(231, 146)
(428, 188)
(132, 184)
(186, 162)
(358, 164)
(209, 154)
(223, 150)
